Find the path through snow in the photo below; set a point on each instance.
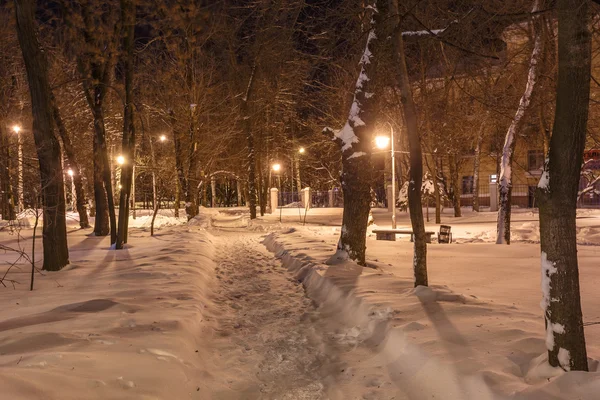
(265, 330)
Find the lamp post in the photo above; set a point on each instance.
(301, 151)
(382, 142)
(17, 130)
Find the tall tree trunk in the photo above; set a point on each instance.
(101, 221)
(456, 190)
(436, 187)
(177, 203)
(354, 140)
(191, 195)
(128, 143)
(182, 186)
(54, 232)
(73, 164)
(416, 156)
(505, 181)
(476, 163)
(8, 198)
(247, 127)
(557, 191)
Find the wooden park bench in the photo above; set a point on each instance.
(390, 234)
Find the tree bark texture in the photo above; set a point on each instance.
(54, 231)
(415, 153)
(128, 143)
(355, 140)
(557, 191)
(505, 179)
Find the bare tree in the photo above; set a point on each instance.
(128, 145)
(355, 142)
(54, 231)
(505, 179)
(557, 191)
(416, 156)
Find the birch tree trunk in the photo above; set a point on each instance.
(557, 191)
(355, 141)
(8, 198)
(54, 231)
(505, 180)
(128, 143)
(416, 156)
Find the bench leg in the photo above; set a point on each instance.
(428, 238)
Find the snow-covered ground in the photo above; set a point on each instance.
(203, 310)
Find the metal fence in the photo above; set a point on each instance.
(288, 198)
(522, 196)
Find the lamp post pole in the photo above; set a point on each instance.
(393, 177)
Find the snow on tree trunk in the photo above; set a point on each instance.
(505, 180)
(7, 199)
(416, 156)
(54, 231)
(557, 191)
(354, 140)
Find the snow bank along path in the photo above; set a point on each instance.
(113, 325)
(418, 339)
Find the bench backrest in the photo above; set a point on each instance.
(444, 236)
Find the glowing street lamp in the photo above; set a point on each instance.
(17, 130)
(162, 138)
(276, 167)
(70, 172)
(382, 142)
(120, 160)
(301, 150)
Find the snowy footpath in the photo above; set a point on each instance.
(224, 309)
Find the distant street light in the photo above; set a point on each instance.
(301, 150)
(382, 142)
(276, 167)
(120, 160)
(17, 130)
(162, 138)
(70, 172)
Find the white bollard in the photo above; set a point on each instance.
(274, 199)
